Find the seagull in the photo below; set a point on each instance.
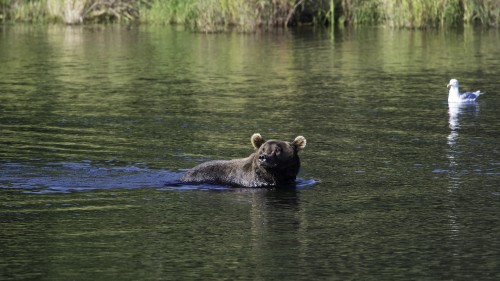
(455, 96)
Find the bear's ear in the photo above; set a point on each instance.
(257, 140)
(299, 143)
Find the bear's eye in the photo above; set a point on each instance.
(278, 151)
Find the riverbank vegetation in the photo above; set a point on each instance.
(248, 15)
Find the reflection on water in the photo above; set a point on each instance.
(455, 112)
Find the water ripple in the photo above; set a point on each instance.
(67, 176)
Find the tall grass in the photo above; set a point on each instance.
(168, 12)
(70, 11)
(219, 15)
(26, 11)
(431, 13)
(248, 15)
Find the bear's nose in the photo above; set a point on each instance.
(262, 157)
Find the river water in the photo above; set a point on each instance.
(97, 124)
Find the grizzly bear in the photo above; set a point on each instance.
(275, 163)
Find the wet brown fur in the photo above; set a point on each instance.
(274, 163)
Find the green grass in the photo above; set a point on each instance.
(248, 15)
(168, 12)
(434, 13)
(25, 11)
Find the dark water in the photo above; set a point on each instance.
(98, 123)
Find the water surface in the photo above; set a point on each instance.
(97, 124)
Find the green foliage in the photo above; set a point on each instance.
(23, 10)
(219, 15)
(168, 12)
(486, 12)
(366, 12)
(248, 15)
(70, 11)
(433, 13)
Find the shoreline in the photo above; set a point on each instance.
(211, 16)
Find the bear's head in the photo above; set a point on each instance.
(276, 154)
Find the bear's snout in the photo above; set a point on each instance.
(268, 160)
(263, 158)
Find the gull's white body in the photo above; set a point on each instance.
(455, 96)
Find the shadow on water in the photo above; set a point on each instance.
(64, 177)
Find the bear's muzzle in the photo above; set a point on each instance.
(267, 160)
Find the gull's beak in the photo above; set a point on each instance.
(447, 86)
